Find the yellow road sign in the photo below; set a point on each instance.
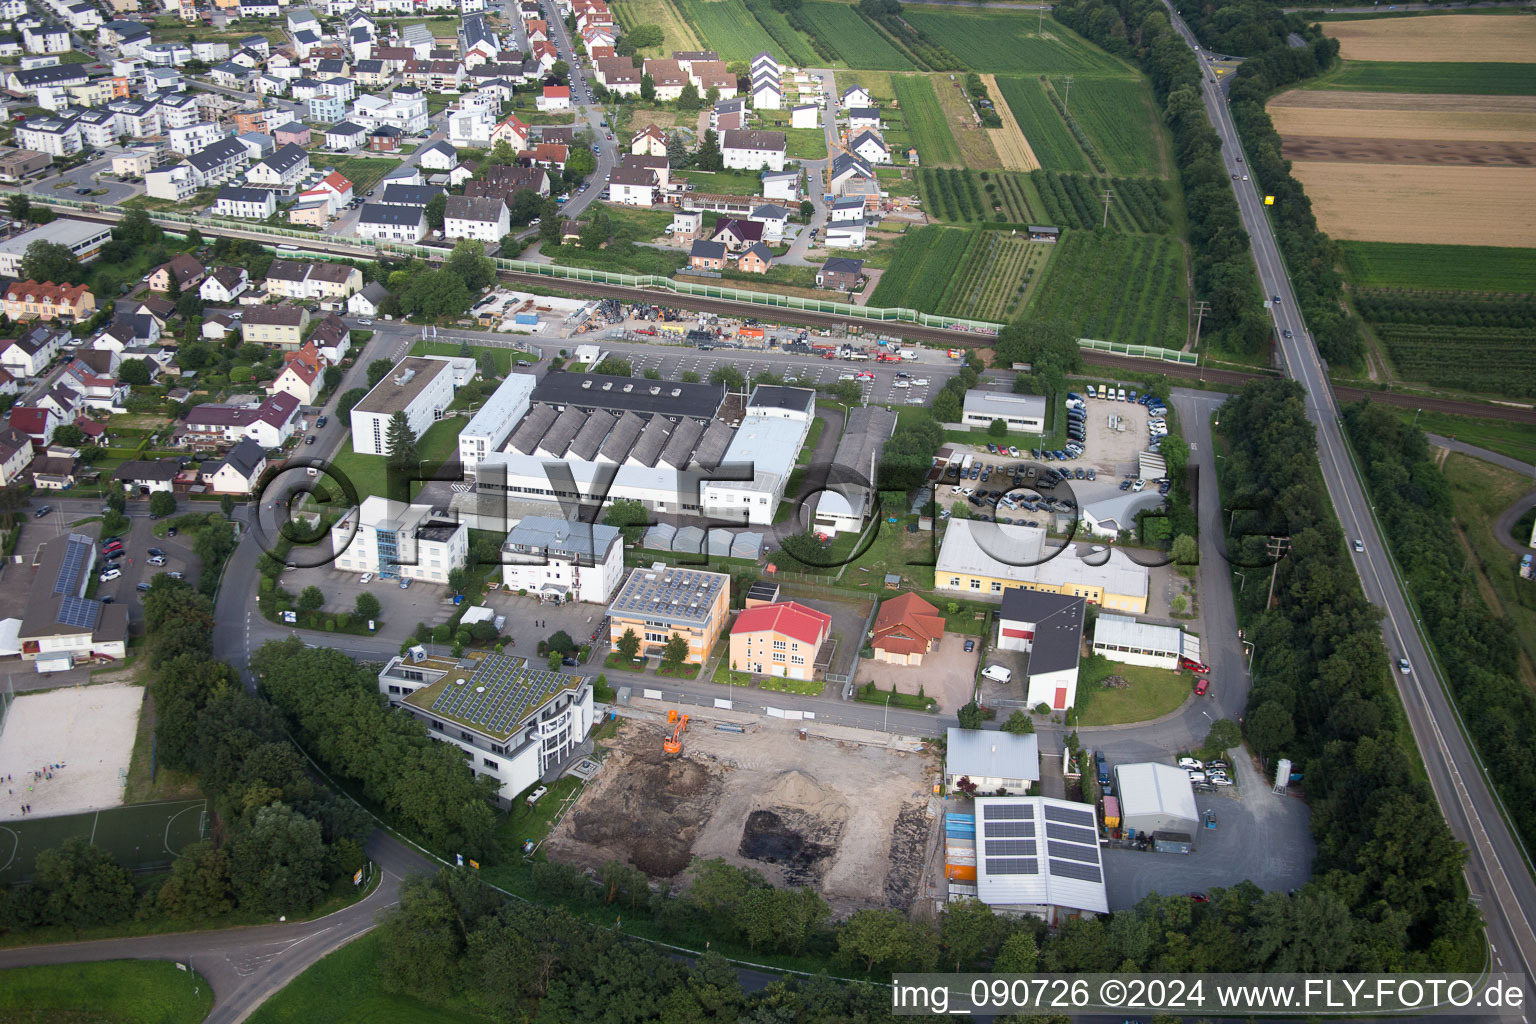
(1269, 200)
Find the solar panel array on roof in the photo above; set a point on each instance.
(1071, 833)
(1013, 866)
(79, 612)
(499, 693)
(1011, 848)
(1072, 869)
(1016, 811)
(1008, 829)
(1071, 851)
(76, 550)
(1070, 815)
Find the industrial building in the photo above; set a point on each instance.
(991, 760)
(1157, 800)
(848, 497)
(1121, 638)
(393, 539)
(659, 601)
(1049, 626)
(1023, 413)
(514, 722)
(1027, 855)
(422, 387)
(559, 560)
(984, 559)
(61, 625)
(489, 428)
(80, 237)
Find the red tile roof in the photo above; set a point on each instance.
(907, 625)
(46, 292)
(787, 618)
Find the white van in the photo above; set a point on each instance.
(997, 673)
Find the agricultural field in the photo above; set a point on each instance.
(1473, 268)
(1076, 201)
(976, 149)
(1378, 115)
(1483, 79)
(857, 43)
(926, 125)
(806, 143)
(727, 27)
(969, 197)
(1008, 138)
(996, 277)
(1006, 41)
(790, 41)
(1118, 118)
(920, 269)
(1047, 133)
(1456, 339)
(1464, 38)
(1400, 202)
(677, 34)
(1115, 287)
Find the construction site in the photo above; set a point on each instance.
(849, 819)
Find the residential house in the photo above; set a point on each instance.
(224, 284)
(240, 201)
(345, 136)
(392, 223)
(439, 156)
(870, 148)
(618, 75)
(753, 150)
(302, 375)
(758, 259)
(729, 115)
(847, 234)
(57, 137)
(906, 629)
(686, 225)
(554, 99)
(195, 136)
(326, 108)
(368, 301)
(805, 115)
(15, 455)
(187, 270)
(484, 219)
(332, 337)
(840, 273)
(767, 94)
(781, 185)
(237, 472)
(632, 186)
(30, 300)
(649, 141)
(779, 639)
(856, 96)
(862, 119)
(218, 163)
(279, 327)
(147, 476)
(737, 235)
(669, 78)
(30, 354)
(385, 139)
(282, 170)
(707, 255)
(409, 195)
(269, 423)
(774, 220)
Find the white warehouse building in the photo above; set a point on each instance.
(1039, 855)
(515, 722)
(1121, 638)
(420, 386)
(489, 428)
(1022, 413)
(392, 539)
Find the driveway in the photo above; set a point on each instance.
(945, 675)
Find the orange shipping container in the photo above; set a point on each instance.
(960, 872)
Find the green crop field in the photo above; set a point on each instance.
(1005, 41)
(927, 126)
(790, 42)
(855, 40)
(969, 197)
(727, 27)
(919, 273)
(1047, 133)
(1499, 359)
(1116, 114)
(1493, 79)
(994, 279)
(1476, 268)
(1127, 288)
(1077, 201)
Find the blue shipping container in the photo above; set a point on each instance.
(526, 318)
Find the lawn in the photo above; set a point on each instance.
(523, 823)
(1042, 125)
(119, 991)
(856, 41)
(1484, 268)
(1517, 440)
(1152, 693)
(727, 27)
(346, 988)
(633, 259)
(364, 172)
(806, 143)
(369, 473)
(642, 224)
(1116, 114)
(778, 684)
(503, 358)
(1007, 41)
(731, 183)
(927, 126)
(1493, 79)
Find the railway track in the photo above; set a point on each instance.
(950, 339)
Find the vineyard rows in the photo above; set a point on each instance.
(990, 283)
(1499, 359)
(920, 272)
(1042, 126)
(1127, 288)
(801, 49)
(925, 119)
(728, 28)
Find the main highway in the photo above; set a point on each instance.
(1496, 870)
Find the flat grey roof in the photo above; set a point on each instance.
(388, 398)
(986, 403)
(992, 754)
(668, 398)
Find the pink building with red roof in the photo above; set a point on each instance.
(786, 639)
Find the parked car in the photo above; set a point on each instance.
(321, 421)
(142, 588)
(970, 645)
(1201, 685)
(111, 574)
(42, 512)
(1191, 764)
(366, 577)
(156, 559)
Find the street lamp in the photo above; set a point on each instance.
(1242, 577)
(887, 726)
(1249, 644)
(1415, 417)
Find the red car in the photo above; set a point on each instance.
(1201, 685)
(1190, 665)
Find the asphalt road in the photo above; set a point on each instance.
(1507, 518)
(587, 115)
(1496, 873)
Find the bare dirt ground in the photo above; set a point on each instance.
(848, 819)
(1410, 151)
(88, 730)
(1009, 140)
(1381, 202)
(1453, 37)
(1359, 115)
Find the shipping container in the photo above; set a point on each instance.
(526, 318)
(960, 872)
(1111, 812)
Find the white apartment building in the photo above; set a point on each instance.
(395, 539)
(558, 560)
(420, 386)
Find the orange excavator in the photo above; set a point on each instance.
(674, 743)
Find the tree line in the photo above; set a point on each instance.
(281, 843)
(1323, 695)
(1140, 31)
(1479, 651)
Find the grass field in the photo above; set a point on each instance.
(927, 126)
(363, 172)
(346, 988)
(1517, 440)
(1490, 79)
(1005, 41)
(732, 183)
(1047, 133)
(1128, 288)
(142, 836)
(110, 992)
(369, 473)
(1116, 115)
(856, 41)
(1152, 692)
(677, 34)
(806, 143)
(920, 269)
(727, 27)
(1481, 268)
